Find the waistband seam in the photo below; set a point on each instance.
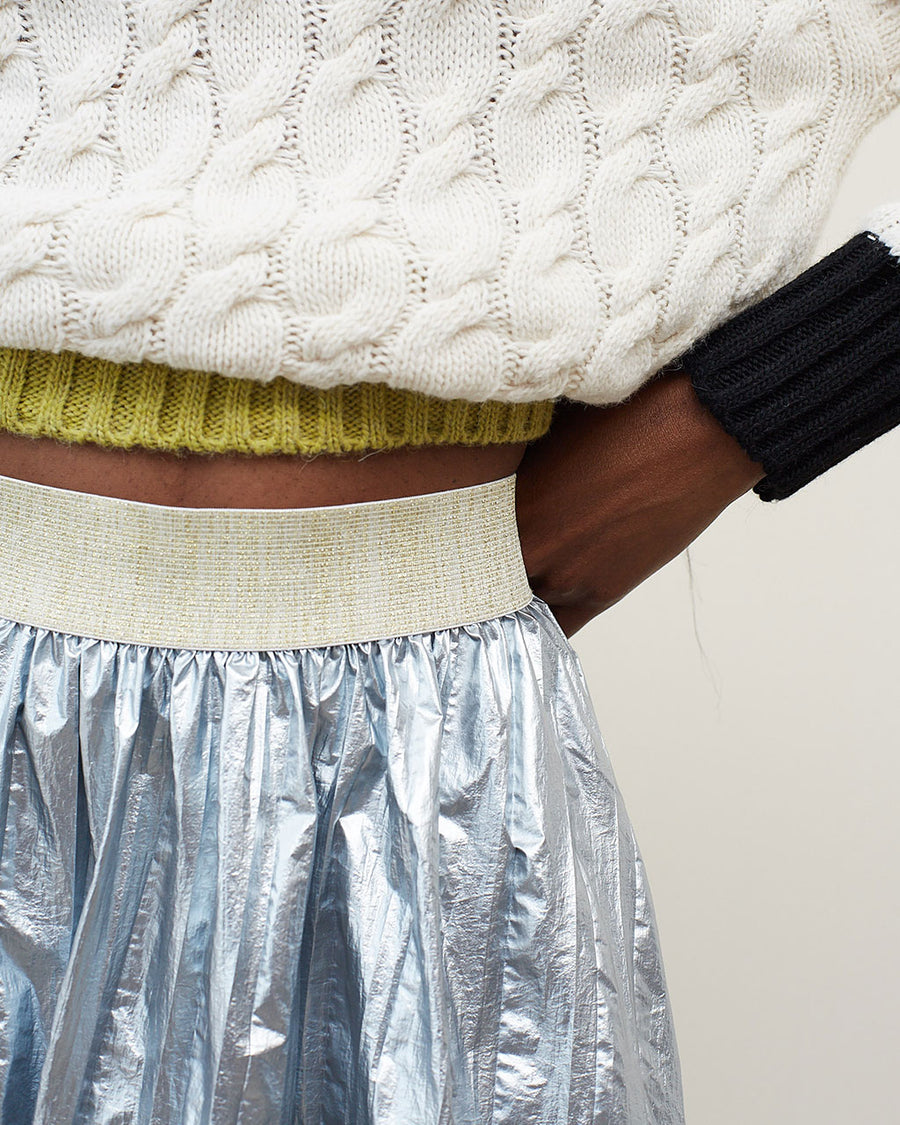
(168, 647)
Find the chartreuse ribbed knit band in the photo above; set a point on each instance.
(77, 398)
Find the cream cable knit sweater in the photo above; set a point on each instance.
(473, 198)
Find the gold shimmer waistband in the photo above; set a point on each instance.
(252, 579)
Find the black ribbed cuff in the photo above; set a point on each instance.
(810, 374)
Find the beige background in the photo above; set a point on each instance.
(754, 729)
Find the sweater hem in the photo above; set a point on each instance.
(82, 399)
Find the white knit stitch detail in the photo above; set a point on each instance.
(344, 270)
(885, 222)
(226, 316)
(134, 242)
(633, 204)
(19, 89)
(793, 80)
(555, 303)
(709, 140)
(79, 47)
(485, 199)
(887, 16)
(450, 345)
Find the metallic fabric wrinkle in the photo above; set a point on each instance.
(360, 884)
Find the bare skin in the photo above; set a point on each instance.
(612, 494)
(226, 481)
(606, 498)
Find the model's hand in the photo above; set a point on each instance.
(611, 494)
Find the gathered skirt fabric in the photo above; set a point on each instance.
(386, 882)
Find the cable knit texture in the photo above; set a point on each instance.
(472, 199)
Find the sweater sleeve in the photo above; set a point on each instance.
(811, 373)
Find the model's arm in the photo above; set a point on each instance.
(611, 494)
(769, 400)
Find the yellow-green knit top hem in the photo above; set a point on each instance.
(77, 398)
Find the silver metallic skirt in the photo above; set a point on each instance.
(305, 818)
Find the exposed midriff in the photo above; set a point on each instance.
(239, 481)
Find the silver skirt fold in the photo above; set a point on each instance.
(378, 881)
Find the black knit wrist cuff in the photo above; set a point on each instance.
(809, 375)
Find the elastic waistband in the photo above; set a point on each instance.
(258, 579)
